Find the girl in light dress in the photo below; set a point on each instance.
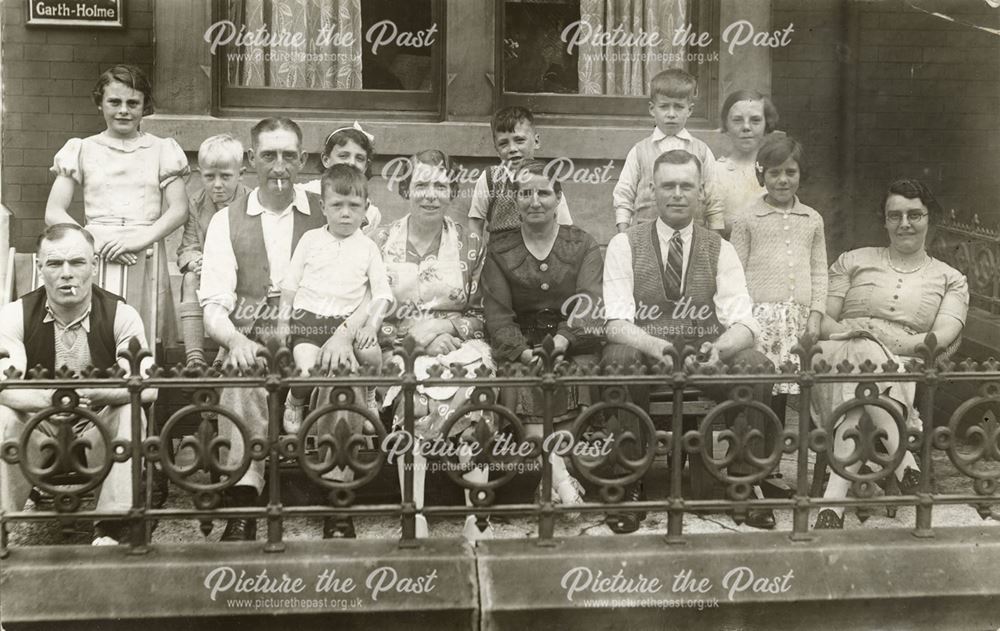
(748, 118)
(782, 246)
(133, 196)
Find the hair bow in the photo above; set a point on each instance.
(357, 127)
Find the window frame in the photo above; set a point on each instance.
(391, 104)
(185, 109)
(613, 109)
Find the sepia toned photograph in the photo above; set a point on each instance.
(500, 314)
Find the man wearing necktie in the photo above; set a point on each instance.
(673, 282)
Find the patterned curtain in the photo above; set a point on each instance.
(317, 63)
(624, 71)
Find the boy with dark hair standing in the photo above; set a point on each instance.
(493, 206)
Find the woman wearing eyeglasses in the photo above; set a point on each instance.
(881, 303)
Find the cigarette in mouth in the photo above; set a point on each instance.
(72, 290)
(280, 185)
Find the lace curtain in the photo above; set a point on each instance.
(324, 61)
(625, 71)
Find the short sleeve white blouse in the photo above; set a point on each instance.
(122, 180)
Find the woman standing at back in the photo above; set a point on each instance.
(748, 118)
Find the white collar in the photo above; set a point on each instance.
(299, 203)
(83, 321)
(666, 232)
(354, 236)
(683, 134)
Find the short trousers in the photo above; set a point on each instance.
(306, 327)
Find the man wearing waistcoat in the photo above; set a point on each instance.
(247, 248)
(671, 281)
(69, 322)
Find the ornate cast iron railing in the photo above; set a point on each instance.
(973, 249)
(970, 438)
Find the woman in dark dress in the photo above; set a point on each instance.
(536, 281)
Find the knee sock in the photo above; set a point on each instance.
(560, 473)
(837, 487)
(419, 474)
(479, 475)
(193, 331)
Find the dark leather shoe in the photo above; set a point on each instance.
(637, 494)
(240, 530)
(775, 487)
(109, 532)
(334, 528)
(624, 523)
(828, 520)
(910, 482)
(762, 518)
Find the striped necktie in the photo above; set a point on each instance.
(672, 270)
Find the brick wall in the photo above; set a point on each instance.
(48, 75)
(928, 107)
(926, 104)
(805, 80)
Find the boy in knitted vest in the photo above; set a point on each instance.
(220, 162)
(672, 95)
(493, 205)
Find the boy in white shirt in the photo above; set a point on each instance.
(672, 94)
(314, 307)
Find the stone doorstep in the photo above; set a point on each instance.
(838, 580)
(948, 581)
(359, 578)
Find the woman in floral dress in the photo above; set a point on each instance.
(433, 265)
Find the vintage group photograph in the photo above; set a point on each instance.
(500, 314)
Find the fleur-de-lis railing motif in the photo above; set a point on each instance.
(618, 441)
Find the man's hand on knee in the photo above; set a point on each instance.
(662, 352)
(243, 352)
(336, 352)
(707, 356)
